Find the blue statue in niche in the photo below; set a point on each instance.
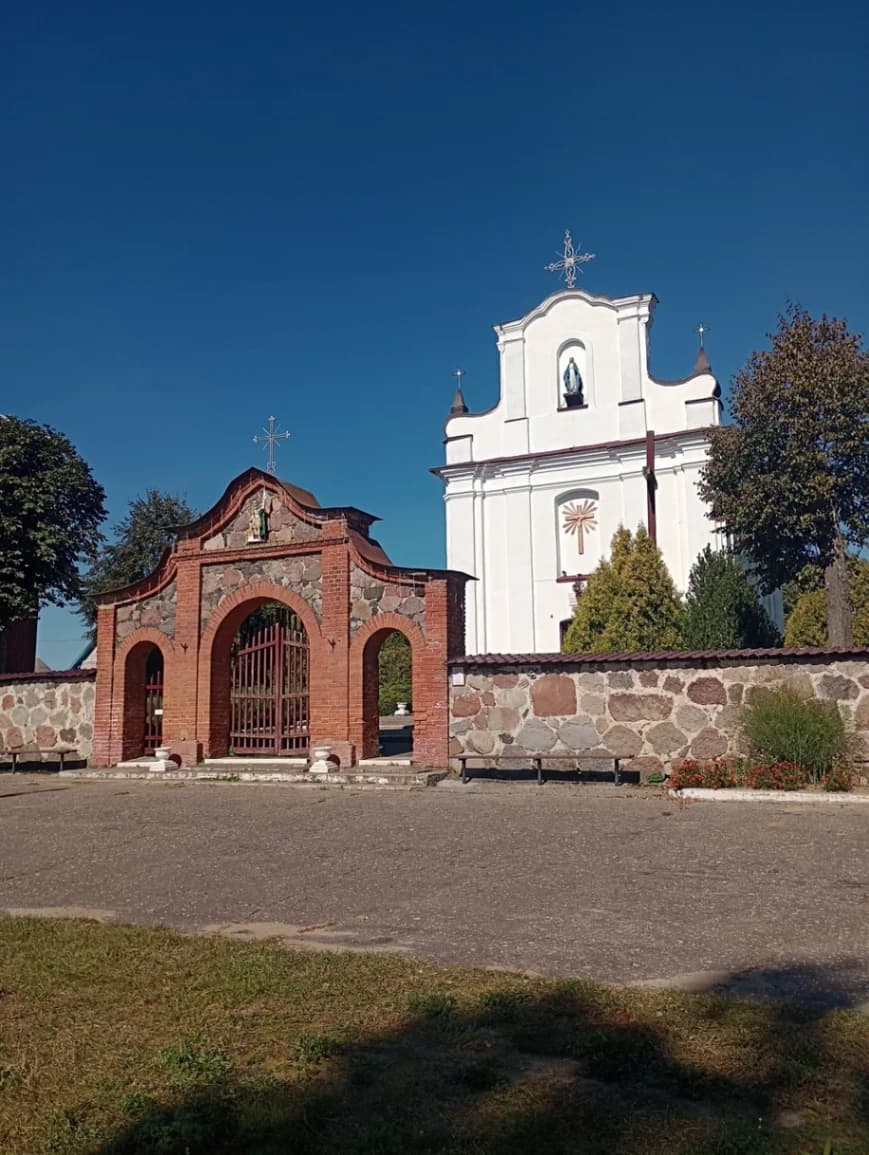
(572, 377)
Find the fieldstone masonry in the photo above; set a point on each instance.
(370, 596)
(157, 611)
(650, 715)
(46, 712)
(301, 574)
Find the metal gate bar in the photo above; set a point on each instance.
(153, 708)
(269, 690)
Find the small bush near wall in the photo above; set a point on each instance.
(783, 727)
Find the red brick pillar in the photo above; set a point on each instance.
(430, 682)
(107, 714)
(181, 695)
(330, 662)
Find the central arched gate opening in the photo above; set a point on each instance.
(269, 685)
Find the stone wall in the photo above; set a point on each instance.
(654, 713)
(300, 574)
(369, 596)
(47, 712)
(157, 611)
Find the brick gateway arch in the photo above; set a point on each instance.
(305, 673)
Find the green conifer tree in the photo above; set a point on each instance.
(722, 608)
(594, 606)
(630, 602)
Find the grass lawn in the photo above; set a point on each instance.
(121, 1039)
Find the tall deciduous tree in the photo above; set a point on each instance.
(790, 477)
(630, 602)
(140, 539)
(722, 609)
(51, 509)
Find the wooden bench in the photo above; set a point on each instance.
(537, 761)
(31, 751)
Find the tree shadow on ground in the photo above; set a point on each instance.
(583, 1069)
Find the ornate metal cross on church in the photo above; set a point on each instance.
(569, 261)
(270, 437)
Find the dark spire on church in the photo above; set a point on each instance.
(702, 364)
(458, 406)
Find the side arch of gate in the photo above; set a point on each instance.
(128, 710)
(214, 655)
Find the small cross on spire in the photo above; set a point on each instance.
(702, 364)
(270, 437)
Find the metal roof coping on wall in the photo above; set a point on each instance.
(651, 657)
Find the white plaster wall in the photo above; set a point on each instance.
(504, 525)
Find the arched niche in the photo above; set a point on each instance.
(577, 531)
(582, 355)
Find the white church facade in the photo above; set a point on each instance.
(581, 440)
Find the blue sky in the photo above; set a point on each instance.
(212, 213)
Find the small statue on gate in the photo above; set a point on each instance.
(258, 523)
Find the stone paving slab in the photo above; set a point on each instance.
(622, 885)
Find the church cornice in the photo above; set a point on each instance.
(632, 305)
(602, 450)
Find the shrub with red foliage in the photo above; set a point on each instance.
(775, 776)
(723, 774)
(717, 774)
(840, 779)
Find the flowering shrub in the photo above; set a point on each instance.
(717, 774)
(775, 776)
(839, 779)
(724, 773)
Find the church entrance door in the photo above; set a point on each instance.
(269, 685)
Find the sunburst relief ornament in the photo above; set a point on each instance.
(580, 518)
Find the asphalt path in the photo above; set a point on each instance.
(623, 885)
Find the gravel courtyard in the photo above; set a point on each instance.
(624, 886)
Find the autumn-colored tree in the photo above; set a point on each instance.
(789, 478)
(722, 609)
(629, 603)
(806, 624)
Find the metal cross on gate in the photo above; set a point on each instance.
(270, 438)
